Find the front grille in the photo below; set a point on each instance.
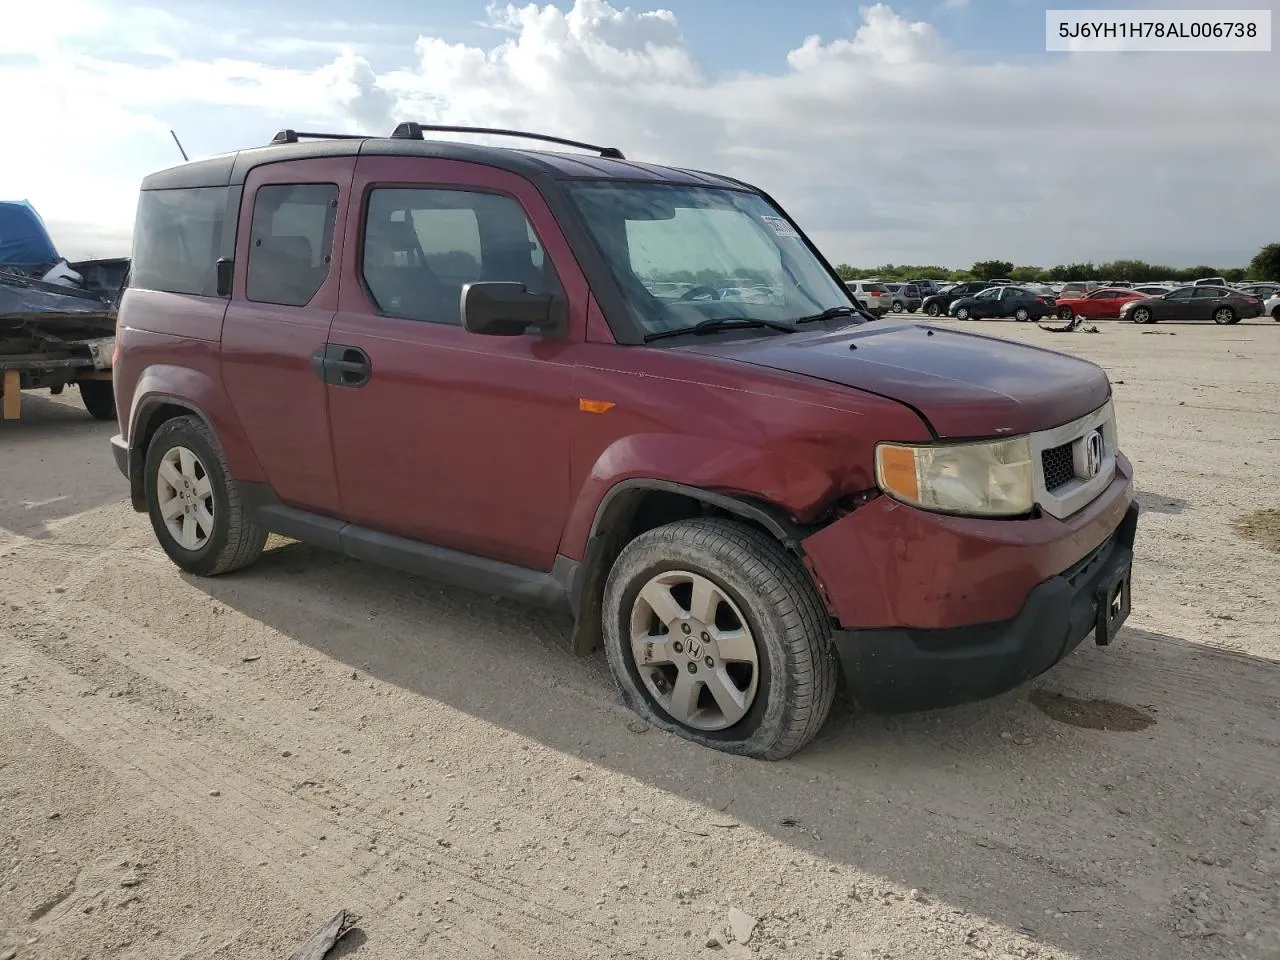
(1059, 467)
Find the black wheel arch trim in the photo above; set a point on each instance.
(137, 453)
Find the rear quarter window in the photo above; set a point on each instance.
(177, 237)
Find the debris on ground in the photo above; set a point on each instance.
(742, 925)
(1071, 326)
(318, 945)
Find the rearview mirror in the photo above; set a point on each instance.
(499, 309)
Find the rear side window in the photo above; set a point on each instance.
(290, 242)
(176, 239)
(422, 246)
(875, 288)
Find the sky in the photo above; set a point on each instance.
(925, 132)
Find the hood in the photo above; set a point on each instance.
(964, 384)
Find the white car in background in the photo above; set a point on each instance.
(876, 297)
(1272, 308)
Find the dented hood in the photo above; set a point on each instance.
(963, 384)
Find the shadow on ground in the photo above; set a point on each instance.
(997, 808)
(46, 451)
(1161, 502)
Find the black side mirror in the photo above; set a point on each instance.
(226, 269)
(499, 309)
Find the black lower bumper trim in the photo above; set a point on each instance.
(120, 450)
(893, 670)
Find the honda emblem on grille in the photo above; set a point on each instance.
(1092, 454)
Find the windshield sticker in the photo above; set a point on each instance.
(781, 227)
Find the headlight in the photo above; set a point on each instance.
(990, 479)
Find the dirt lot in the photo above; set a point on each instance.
(212, 768)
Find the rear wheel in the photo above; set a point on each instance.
(99, 398)
(1022, 315)
(1224, 315)
(194, 505)
(714, 632)
(1275, 314)
(898, 306)
(1065, 314)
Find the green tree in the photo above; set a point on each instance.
(1266, 265)
(1130, 271)
(991, 269)
(1026, 274)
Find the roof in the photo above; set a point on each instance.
(231, 169)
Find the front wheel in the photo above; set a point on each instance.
(962, 313)
(1143, 315)
(715, 633)
(99, 398)
(1275, 314)
(933, 310)
(194, 505)
(898, 306)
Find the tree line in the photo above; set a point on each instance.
(1265, 266)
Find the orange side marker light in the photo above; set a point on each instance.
(595, 406)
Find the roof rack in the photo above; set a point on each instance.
(293, 136)
(409, 130)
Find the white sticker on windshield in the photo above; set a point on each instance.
(780, 227)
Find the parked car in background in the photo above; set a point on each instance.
(940, 303)
(872, 295)
(1001, 301)
(1077, 288)
(927, 288)
(1000, 281)
(1222, 305)
(1272, 308)
(1153, 289)
(906, 297)
(1101, 304)
(1263, 291)
(1210, 282)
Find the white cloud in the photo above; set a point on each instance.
(886, 144)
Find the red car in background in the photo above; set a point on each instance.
(1101, 304)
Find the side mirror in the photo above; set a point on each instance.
(226, 270)
(499, 309)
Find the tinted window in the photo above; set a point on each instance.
(875, 288)
(176, 239)
(422, 246)
(913, 290)
(289, 242)
(1210, 293)
(1185, 293)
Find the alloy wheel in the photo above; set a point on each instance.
(694, 650)
(185, 496)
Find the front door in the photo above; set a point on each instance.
(453, 438)
(284, 296)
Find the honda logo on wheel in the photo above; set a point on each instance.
(1093, 454)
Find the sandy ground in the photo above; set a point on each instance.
(212, 768)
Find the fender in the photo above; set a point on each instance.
(162, 385)
(793, 489)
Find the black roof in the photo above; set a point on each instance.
(232, 168)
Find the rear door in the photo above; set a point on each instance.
(1207, 300)
(452, 438)
(284, 297)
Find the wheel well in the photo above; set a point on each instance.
(140, 439)
(638, 509)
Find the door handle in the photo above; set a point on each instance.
(342, 365)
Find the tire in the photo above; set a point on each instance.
(962, 313)
(1223, 316)
(790, 687)
(912, 309)
(99, 398)
(231, 540)
(933, 310)
(1143, 315)
(1275, 314)
(1022, 315)
(898, 306)
(1065, 314)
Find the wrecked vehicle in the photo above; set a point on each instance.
(57, 319)
(477, 364)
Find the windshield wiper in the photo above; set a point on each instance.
(716, 324)
(832, 314)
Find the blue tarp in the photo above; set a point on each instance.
(23, 237)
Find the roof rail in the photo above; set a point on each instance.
(293, 136)
(409, 130)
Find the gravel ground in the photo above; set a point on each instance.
(213, 768)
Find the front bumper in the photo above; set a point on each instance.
(120, 450)
(893, 670)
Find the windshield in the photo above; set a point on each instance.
(683, 255)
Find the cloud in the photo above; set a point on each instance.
(886, 144)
